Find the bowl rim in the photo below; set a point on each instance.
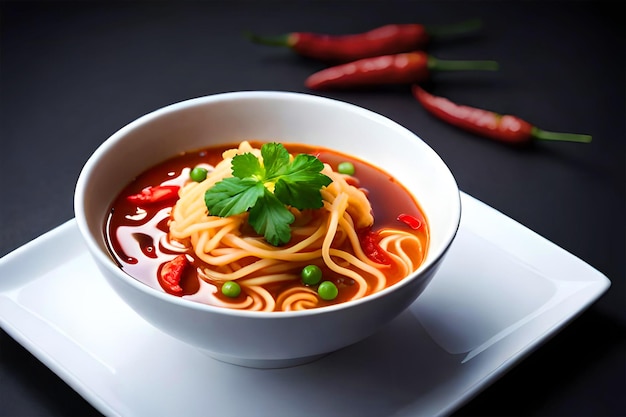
(106, 259)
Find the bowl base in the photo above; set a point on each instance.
(264, 363)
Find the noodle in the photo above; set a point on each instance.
(228, 250)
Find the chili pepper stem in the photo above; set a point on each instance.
(559, 136)
(276, 40)
(435, 64)
(449, 30)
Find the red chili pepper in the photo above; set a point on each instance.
(384, 40)
(411, 221)
(156, 194)
(503, 128)
(407, 68)
(172, 273)
(369, 243)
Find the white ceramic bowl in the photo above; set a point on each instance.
(275, 339)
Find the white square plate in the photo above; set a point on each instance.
(501, 292)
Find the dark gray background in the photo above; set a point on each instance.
(72, 73)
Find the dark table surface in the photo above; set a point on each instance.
(72, 73)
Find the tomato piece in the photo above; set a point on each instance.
(369, 243)
(172, 273)
(156, 194)
(412, 221)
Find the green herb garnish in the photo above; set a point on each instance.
(266, 190)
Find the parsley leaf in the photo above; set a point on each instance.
(275, 159)
(300, 186)
(270, 218)
(234, 196)
(247, 165)
(267, 188)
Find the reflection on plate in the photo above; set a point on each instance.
(501, 292)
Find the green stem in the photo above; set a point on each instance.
(566, 137)
(276, 40)
(446, 31)
(435, 64)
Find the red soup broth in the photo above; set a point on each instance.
(135, 235)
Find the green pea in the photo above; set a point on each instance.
(231, 289)
(346, 168)
(311, 274)
(327, 290)
(198, 174)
